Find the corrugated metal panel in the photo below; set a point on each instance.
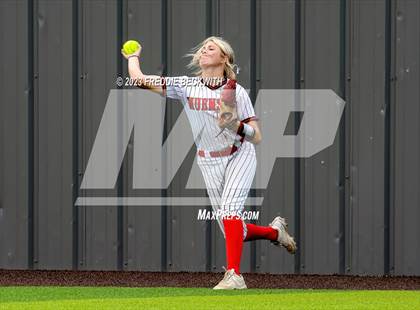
(187, 236)
(320, 215)
(99, 65)
(13, 135)
(407, 148)
(54, 136)
(234, 26)
(143, 226)
(276, 56)
(367, 137)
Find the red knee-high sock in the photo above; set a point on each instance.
(234, 232)
(255, 232)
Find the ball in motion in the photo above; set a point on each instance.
(131, 46)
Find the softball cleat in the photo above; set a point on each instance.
(283, 237)
(231, 281)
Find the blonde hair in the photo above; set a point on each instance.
(227, 50)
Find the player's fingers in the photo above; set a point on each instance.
(221, 123)
(138, 52)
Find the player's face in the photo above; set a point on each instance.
(211, 55)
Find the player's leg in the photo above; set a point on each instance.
(213, 170)
(213, 173)
(256, 232)
(238, 179)
(239, 175)
(276, 231)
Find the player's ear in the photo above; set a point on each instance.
(225, 59)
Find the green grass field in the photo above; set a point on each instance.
(199, 298)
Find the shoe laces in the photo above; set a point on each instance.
(228, 275)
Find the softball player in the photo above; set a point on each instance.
(225, 144)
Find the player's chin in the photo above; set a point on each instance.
(206, 62)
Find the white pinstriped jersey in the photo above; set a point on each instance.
(201, 104)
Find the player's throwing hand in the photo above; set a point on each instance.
(131, 49)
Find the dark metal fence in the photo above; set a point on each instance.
(353, 207)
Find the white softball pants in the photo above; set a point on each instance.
(228, 179)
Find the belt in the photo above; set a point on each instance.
(226, 152)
